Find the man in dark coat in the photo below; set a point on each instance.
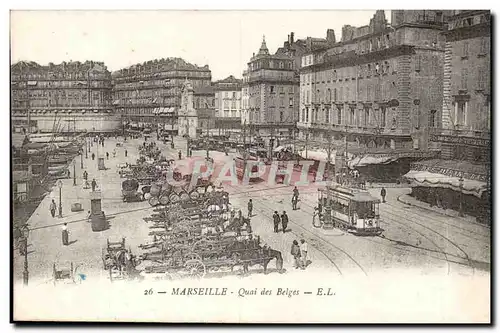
(93, 156)
(250, 208)
(126, 152)
(284, 221)
(180, 154)
(276, 220)
(93, 184)
(383, 193)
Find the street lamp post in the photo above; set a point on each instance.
(81, 159)
(74, 172)
(461, 186)
(86, 150)
(60, 184)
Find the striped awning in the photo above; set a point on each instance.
(109, 111)
(96, 111)
(83, 111)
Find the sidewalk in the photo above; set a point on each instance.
(411, 201)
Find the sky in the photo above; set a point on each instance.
(224, 40)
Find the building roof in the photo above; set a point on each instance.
(159, 65)
(229, 79)
(67, 67)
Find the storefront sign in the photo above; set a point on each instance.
(461, 140)
(449, 172)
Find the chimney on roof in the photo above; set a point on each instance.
(290, 38)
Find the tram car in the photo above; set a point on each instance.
(353, 210)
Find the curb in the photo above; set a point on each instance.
(441, 213)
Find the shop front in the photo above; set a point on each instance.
(450, 184)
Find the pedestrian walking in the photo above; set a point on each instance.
(250, 208)
(107, 155)
(383, 193)
(276, 220)
(126, 152)
(94, 185)
(180, 155)
(65, 234)
(303, 253)
(85, 175)
(284, 221)
(53, 208)
(295, 252)
(93, 156)
(114, 153)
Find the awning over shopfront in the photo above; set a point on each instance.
(431, 179)
(364, 160)
(281, 148)
(318, 155)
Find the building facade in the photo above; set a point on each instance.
(149, 94)
(228, 102)
(69, 97)
(380, 86)
(460, 179)
(270, 94)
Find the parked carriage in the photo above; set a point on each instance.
(352, 210)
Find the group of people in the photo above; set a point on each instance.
(299, 253)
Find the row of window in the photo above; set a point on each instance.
(361, 47)
(347, 73)
(62, 75)
(272, 64)
(482, 79)
(484, 48)
(376, 92)
(280, 89)
(146, 93)
(355, 117)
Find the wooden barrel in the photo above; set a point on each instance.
(155, 189)
(153, 201)
(164, 200)
(194, 195)
(174, 198)
(184, 196)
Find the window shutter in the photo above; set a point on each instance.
(464, 79)
(481, 78)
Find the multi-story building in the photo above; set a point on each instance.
(228, 103)
(69, 97)
(463, 128)
(149, 94)
(379, 87)
(270, 94)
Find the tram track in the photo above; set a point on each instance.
(438, 248)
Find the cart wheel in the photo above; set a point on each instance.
(195, 268)
(181, 232)
(193, 256)
(202, 244)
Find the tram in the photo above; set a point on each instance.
(353, 210)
